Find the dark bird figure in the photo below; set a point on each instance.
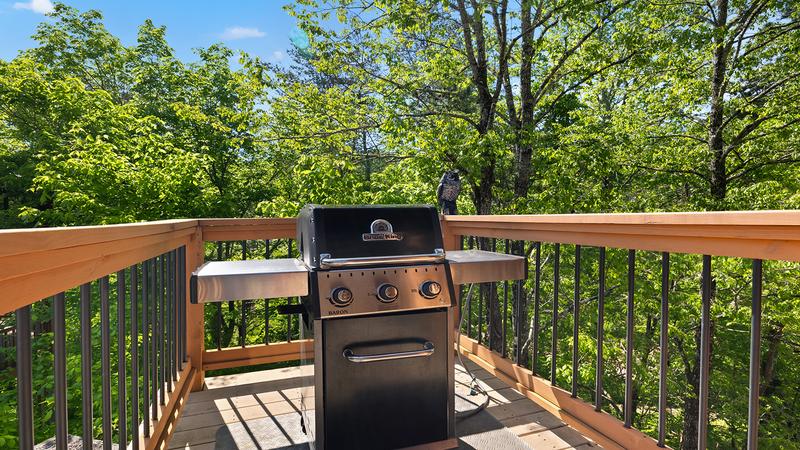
(447, 193)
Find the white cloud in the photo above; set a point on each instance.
(233, 33)
(278, 55)
(37, 6)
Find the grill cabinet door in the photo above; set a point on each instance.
(385, 404)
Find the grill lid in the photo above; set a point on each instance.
(337, 233)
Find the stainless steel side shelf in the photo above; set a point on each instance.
(246, 280)
(479, 266)
(218, 281)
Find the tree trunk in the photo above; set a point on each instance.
(690, 403)
(716, 141)
(774, 337)
(523, 148)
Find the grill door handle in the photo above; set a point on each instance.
(327, 262)
(427, 350)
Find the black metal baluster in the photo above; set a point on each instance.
(167, 321)
(629, 340)
(105, 361)
(219, 305)
(60, 369)
(86, 364)
(244, 305)
(491, 305)
(536, 299)
(755, 359)
(664, 347)
(182, 302)
(505, 308)
(554, 341)
(289, 300)
(134, 271)
(154, 340)
(521, 303)
(469, 305)
(601, 306)
(162, 335)
(146, 357)
(24, 378)
(167, 324)
(173, 309)
(575, 319)
(480, 312)
(705, 354)
(121, 334)
(267, 255)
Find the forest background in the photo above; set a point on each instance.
(565, 106)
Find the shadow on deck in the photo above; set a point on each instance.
(261, 410)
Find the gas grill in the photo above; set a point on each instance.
(378, 298)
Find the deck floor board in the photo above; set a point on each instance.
(271, 398)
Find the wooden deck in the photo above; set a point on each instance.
(260, 410)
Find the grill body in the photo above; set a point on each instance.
(382, 364)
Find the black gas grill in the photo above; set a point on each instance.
(378, 297)
(379, 310)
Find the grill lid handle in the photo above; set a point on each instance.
(327, 262)
(427, 350)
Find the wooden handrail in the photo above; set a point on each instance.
(38, 263)
(244, 229)
(769, 235)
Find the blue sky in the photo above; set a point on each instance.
(261, 28)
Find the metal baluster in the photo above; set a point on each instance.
(522, 313)
(244, 305)
(289, 300)
(105, 361)
(24, 378)
(705, 354)
(554, 342)
(664, 345)
(601, 306)
(168, 321)
(121, 330)
(182, 301)
(154, 340)
(505, 309)
(575, 318)
(755, 359)
(480, 312)
(163, 376)
(60, 369)
(146, 357)
(176, 312)
(536, 298)
(134, 356)
(86, 364)
(469, 305)
(178, 315)
(219, 305)
(629, 340)
(267, 255)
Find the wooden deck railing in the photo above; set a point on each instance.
(37, 266)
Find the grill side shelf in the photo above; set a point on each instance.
(218, 281)
(480, 266)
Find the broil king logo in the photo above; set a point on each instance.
(381, 230)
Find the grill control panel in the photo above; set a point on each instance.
(352, 292)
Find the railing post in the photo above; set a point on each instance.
(195, 320)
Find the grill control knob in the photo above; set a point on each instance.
(341, 297)
(387, 293)
(430, 289)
